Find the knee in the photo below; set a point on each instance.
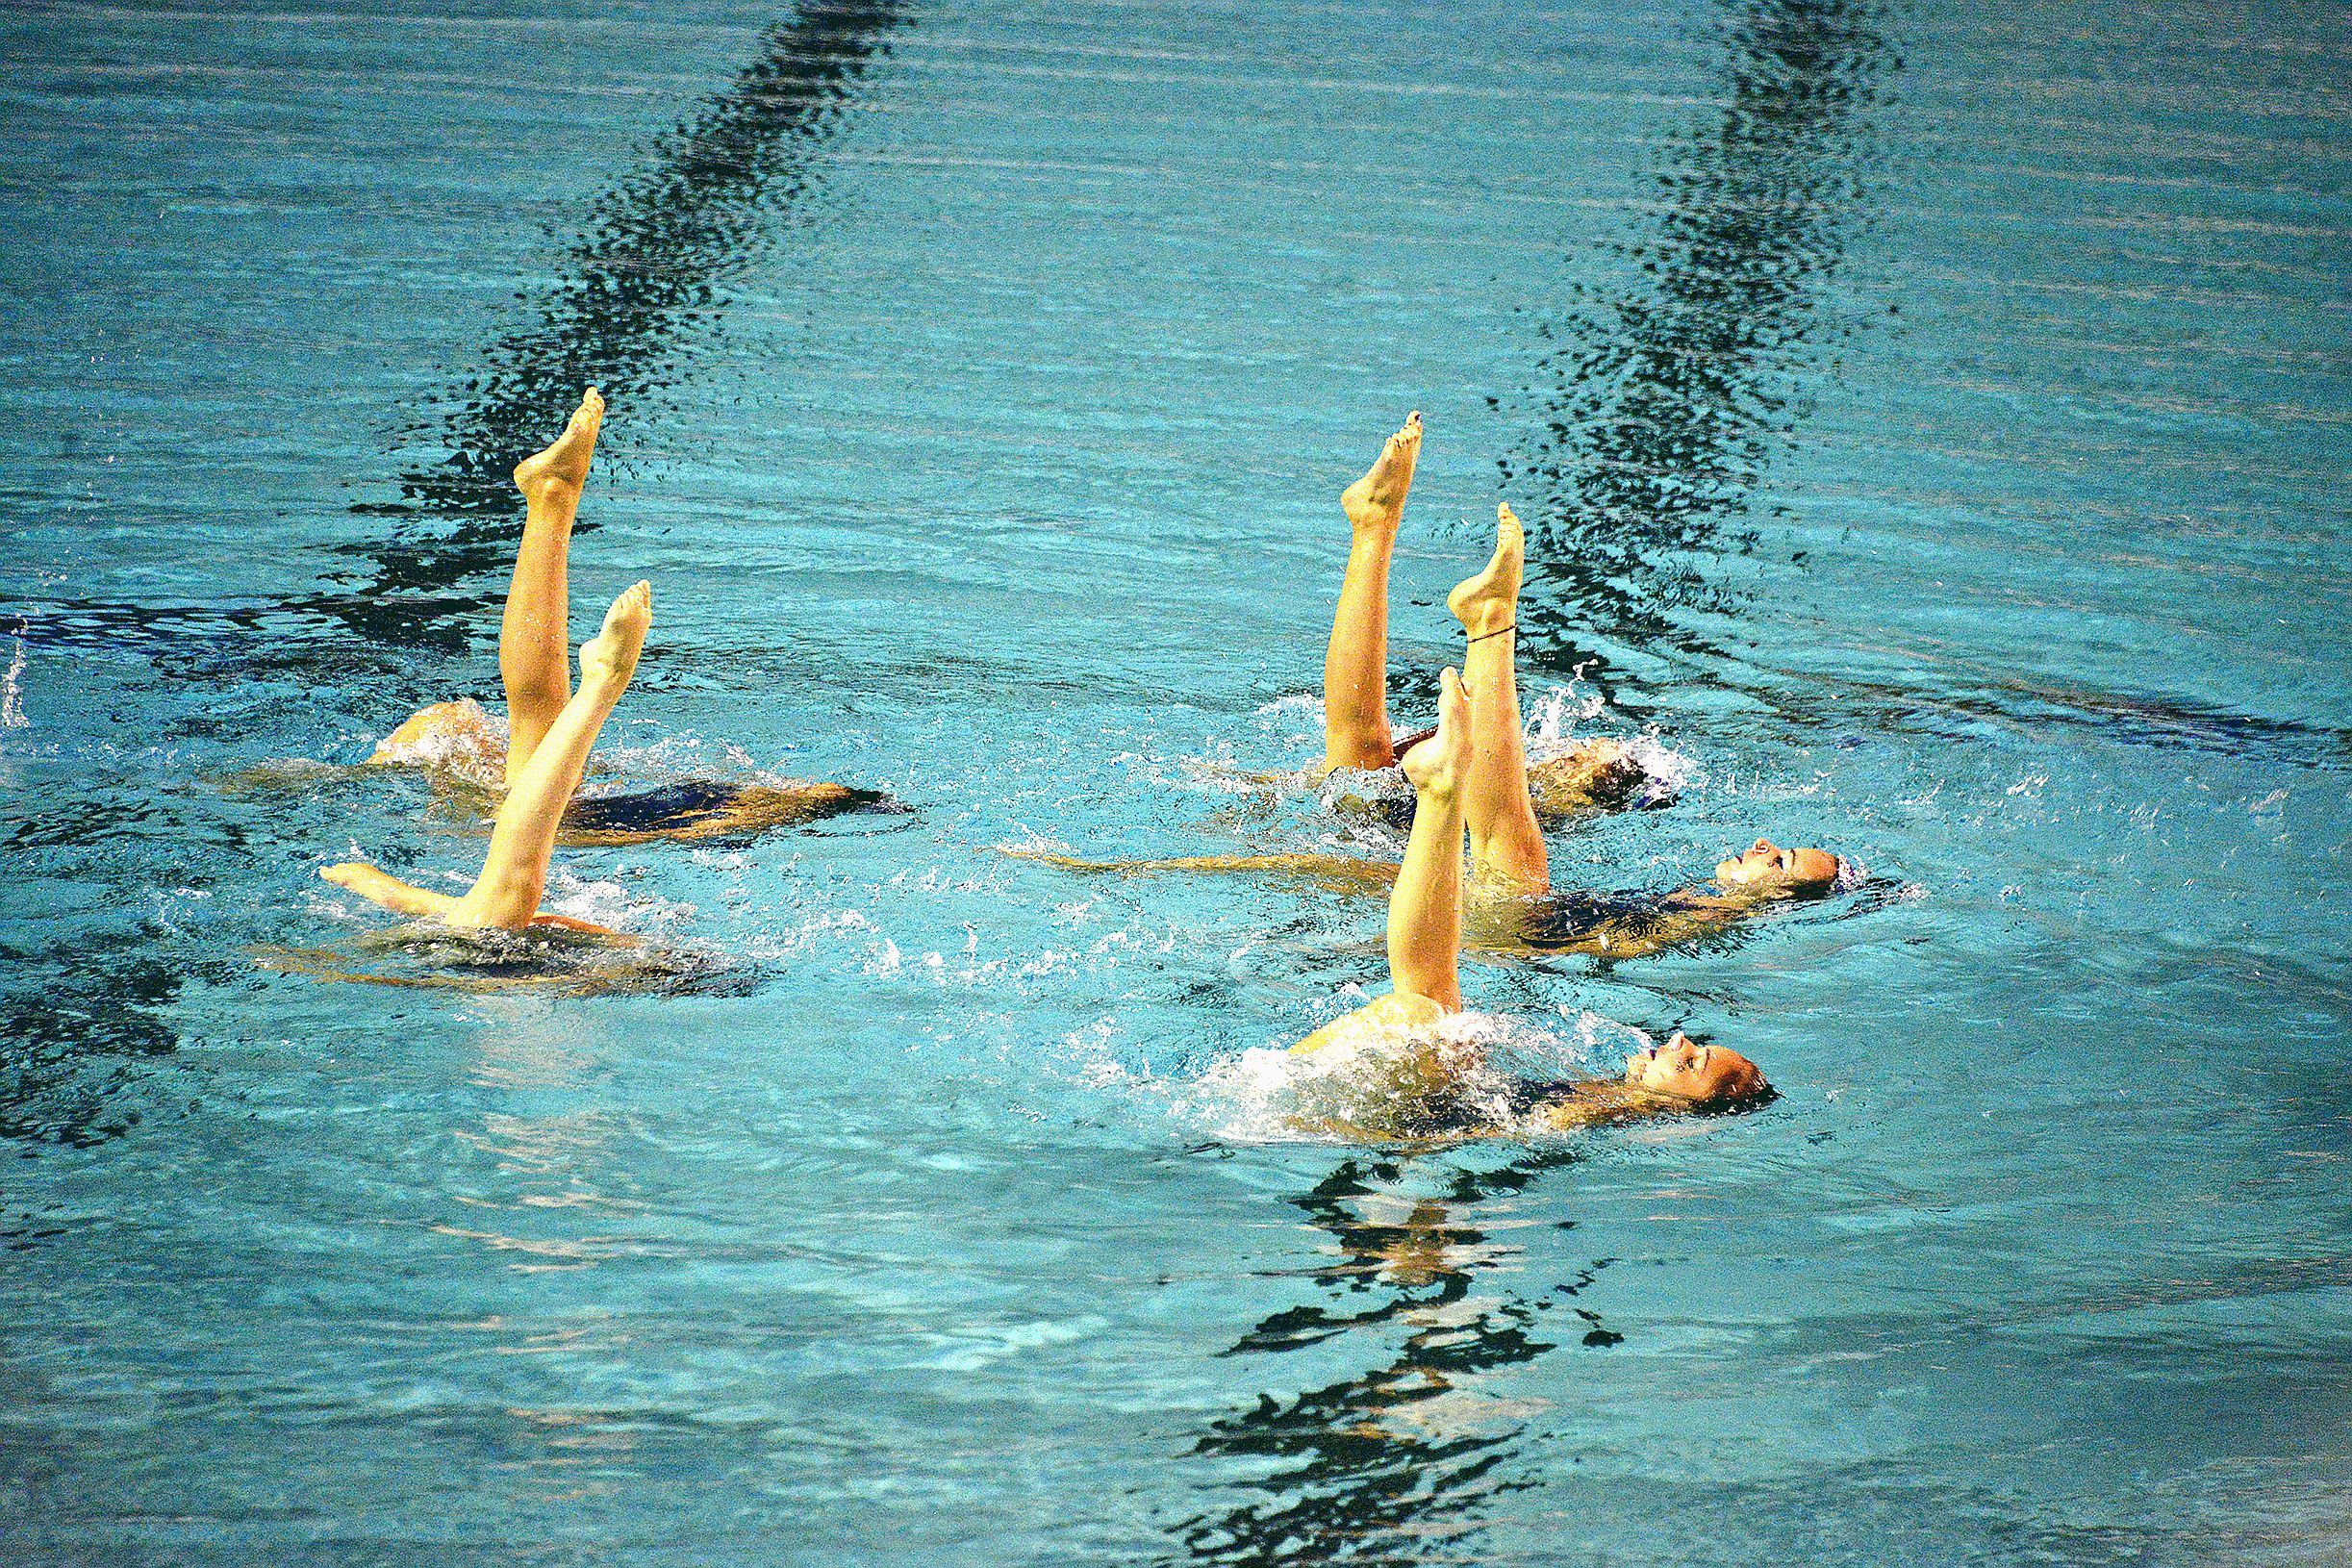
(543, 692)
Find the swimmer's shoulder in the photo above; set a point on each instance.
(1384, 1018)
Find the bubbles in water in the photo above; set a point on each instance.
(1551, 716)
(11, 692)
(609, 903)
(1466, 1075)
(1351, 789)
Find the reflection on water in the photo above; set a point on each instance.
(1667, 399)
(73, 1020)
(1375, 1467)
(1952, 704)
(640, 281)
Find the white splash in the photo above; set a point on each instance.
(11, 692)
(1553, 716)
(1275, 1095)
(457, 746)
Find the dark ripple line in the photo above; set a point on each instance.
(645, 276)
(1668, 399)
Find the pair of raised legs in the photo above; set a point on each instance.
(514, 874)
(1425, 908)
(1507, 846)
(552, 728)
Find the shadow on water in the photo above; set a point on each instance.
(1665, 398)
(1953, 709)
(74, 1022)
(1668, 397)
(638, 281)
(642, 279)
(1381, 1466)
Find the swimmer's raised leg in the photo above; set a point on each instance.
(534, 657)
(1424, 911)
(515, 872)
(1506, 848)
(1355, 665)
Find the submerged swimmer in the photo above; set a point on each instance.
(1595, 776)
(1510, 871)
(462, 744)
(514, 876)
(1515, 907)
(1422, 1073)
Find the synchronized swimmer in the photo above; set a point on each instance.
(1422, 1068)
(1514, 904)
(1596, 775)
(540, 781)
(1473, 791)
(459, 742)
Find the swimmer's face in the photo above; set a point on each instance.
(1702, 1075)
(1769, 866)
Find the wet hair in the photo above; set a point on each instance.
(1740, 1105)
(1623, 784)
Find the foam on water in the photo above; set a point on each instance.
(1272, 1094)
(11, 691)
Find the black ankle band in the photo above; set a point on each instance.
(1497, 632)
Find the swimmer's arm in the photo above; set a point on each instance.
(383, 888)
(567, 923)
(1344, 870)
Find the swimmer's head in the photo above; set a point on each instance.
(1702, 1077)
(1767, 868)
(457, 735)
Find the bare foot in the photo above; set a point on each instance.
(1377, 501)
(566, 462)
(1489, 602)
(611, 658)
(1436, 765)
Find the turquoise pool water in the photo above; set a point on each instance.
(1933, 419)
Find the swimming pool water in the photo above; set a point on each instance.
(1931, 421)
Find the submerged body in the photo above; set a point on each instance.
(1414, 1077)
(1510, 870)
(1629, 925)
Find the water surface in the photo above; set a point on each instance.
(1932, 423)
